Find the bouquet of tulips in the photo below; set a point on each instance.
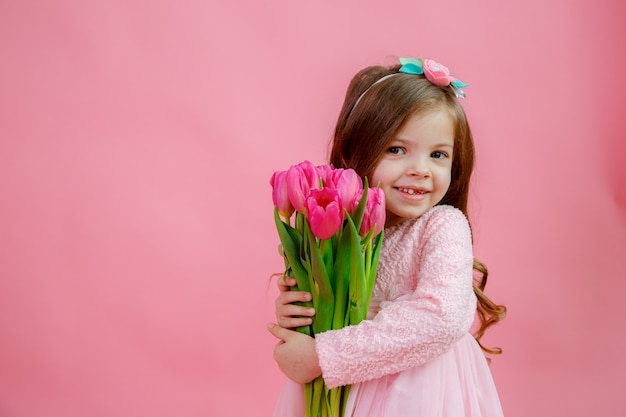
(330, 227)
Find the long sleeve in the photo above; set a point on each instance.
(432, 264)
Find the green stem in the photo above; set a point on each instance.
(308, 396)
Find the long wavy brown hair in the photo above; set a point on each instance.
(363, 132)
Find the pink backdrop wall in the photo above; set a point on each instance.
(137, 139)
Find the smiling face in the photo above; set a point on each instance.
(415, 169)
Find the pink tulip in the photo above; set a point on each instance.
(324, 172)
(374, 216)
(301, 179)
(324, 212)
(348, 183)
(280, 195)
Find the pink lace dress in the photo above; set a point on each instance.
(414, 356)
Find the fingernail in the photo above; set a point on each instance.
(311, 311)
(270, 325)
(307, 297)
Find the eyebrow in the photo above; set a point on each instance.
(437, 145)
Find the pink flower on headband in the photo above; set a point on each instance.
(436, 73)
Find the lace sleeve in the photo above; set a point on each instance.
(415, 328)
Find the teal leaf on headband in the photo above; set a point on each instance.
(411, 66)
(459, 84)
(411, 69)
(414, 61)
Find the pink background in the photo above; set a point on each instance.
(137, 139)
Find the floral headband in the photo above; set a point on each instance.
(434, 72)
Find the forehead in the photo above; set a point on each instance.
(434, 127)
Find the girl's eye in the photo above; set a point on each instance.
(439, 155)
(396, 150)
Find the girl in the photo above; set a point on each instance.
(403, 128)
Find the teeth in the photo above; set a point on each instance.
(410, 191)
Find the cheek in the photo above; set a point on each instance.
(375, 181)
(444, 178)
(376, 177)
(448, 176)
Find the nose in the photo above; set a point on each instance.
(418, 167)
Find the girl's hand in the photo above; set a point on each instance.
(295, 354)
(287, 313)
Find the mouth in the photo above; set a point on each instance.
(412, 191)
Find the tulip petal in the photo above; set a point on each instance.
(280, 194)
(324, 212)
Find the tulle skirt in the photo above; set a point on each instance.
(455, 384)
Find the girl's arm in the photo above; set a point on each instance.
(418, 327)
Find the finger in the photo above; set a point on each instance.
(290, 297)
(291, 310)
(290, 316)
(285, 283)
(293, 322)
(279, 332)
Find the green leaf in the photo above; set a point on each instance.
(320, 285)
(341, 278)
(359, 211)
(357, 310)
(372, 264)
(291, 241)
(327, 249)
